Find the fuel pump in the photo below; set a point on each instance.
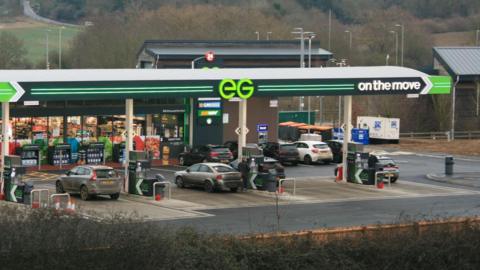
(139, 181)
(14, 188)
(357, 164)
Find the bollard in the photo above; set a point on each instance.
(449, 165)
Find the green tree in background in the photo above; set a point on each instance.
(12, 52)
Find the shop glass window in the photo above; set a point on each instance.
(105, 127)
(55, 130)
(39, 129)
(22, 128)
(118, 128)
(168, 125)
(90, 128)
(74, 127)
(139, 125)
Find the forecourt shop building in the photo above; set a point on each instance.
(125, 85)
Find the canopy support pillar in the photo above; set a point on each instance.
(347, 119)
(5, 140)
(242, 124)
(129, 137)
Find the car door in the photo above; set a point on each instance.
(204, 173)
(68, 179)
(82, 174)
(189, 177)
(302, 149)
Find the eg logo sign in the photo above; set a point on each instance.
(229, 88)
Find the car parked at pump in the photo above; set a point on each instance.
(264, 166)
(285, 153)
(389, 168)
(88, 181)
(233, 147)
(205, 153)
(313, 152)
(210, 176)
(336, 146)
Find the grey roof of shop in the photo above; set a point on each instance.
(229, 47)
(233, 51)
(459, 61)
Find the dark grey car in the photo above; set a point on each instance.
(90, 180)
(210, 176)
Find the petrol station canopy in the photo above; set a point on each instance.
(95, 84)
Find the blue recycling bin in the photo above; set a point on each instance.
(360, 135)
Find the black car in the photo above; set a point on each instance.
(285, 153)
(206, 153)
(337, 150)
(233, 147)
(265, 166)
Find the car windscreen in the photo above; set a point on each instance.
(220, 149)
(386, 161)
(288, 147)
(223, 169)
(321, 146)
(105, 173)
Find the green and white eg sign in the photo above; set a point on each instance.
(10, 92)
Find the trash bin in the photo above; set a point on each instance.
(271, 181)
(147, 186)
(449, 165)
(261, 180)
(27, 192)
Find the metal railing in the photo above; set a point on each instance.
(33, 202)
(167, 185)
(441, 135)
(389, 178)
(55, 200)
(280, 182)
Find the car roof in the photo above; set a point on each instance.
(214, 164)
(312, 142)
(96, 167)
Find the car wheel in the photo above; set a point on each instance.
(326, 162)
(115, 196)
(295, 163)
(307, 159)
(234, 189)
(208, 186)
(181, 161)
(204, 160)
(59, 187)
(179, 182)
(84, 193)
(393, 180)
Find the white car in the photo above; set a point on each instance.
(313, 151)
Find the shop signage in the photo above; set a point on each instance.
(209, 105)
(207, 113)
(10, 92)
(229, 88)
(262, 127)
(227, 84)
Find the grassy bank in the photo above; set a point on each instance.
(46, 240)
(34, 35)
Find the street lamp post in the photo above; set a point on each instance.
(60, 47)
(349, 39)
(310, 36)
(403, 42)
(268, 35)
(300, 31)
(477, 37)
(47, 61)
(396, 46)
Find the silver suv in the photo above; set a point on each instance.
(90, 180)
